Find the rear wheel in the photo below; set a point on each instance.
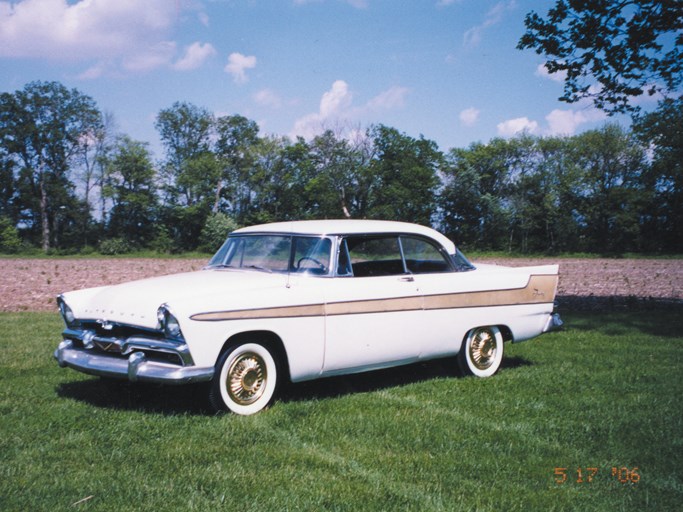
(481, 352)
(245, 380)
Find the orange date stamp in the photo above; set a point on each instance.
(587, 475)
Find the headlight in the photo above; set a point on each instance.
(169, 323)
(161, 317)
(67, 314)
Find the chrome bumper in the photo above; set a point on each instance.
(554, 323)
(135, 368)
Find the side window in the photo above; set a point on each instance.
(374, 256)
(312, 255)
(344, 265)
(422, 257)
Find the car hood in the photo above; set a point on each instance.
(136, 302)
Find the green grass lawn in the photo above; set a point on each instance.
(605, 393)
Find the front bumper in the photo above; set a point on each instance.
(135, 368)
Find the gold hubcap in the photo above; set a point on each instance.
(483, 349)
(247, 378)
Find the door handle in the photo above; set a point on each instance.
(407, 279)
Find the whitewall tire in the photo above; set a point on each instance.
(245, 380)
(482, 352)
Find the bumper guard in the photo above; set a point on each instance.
(554, 323)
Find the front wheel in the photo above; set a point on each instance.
(245, 380)
(481, 352)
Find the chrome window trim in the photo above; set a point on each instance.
(448, 259)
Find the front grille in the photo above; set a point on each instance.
(121, 331)
(120, 341)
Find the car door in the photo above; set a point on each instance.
(437, 279)
(373, 308)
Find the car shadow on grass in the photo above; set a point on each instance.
(192, 399)
(377, 380)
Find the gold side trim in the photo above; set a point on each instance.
(246, 314)
(539, 289)
(375, 306)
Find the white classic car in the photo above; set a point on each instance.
(302, 300)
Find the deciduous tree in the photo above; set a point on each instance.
(662, 131)
(130, 185)
(43, 128)
(185, 131)
(610, 193)
(236, 138)
(403, 176)
(610, 51)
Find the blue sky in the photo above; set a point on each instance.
(445, 69)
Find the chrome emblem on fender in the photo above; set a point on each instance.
(538, 293)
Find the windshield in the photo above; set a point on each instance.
(275, 253)
(462, 264)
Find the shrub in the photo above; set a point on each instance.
(162, 243)
(114, 246)
(10, 242)
(215, 231)
(87, 250)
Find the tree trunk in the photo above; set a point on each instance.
(216, 203)
(43, 214)
(345, 210)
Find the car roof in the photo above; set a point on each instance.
(349, 227)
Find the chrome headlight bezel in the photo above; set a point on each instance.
(67, 313)
(168, 323)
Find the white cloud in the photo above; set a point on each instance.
(267, 98)
(332, 106)
(308, 126)
(542, 71)
(512, 127)
(497, 13)
(152, 57)
(87, 29)
(559, 123)
(335, 100)
(195, 55)
(472, 36)
(566, 122)
(336, 106)
(646, 98)
(469, 116)
(238, 65)
(93, 72)
(394, 97)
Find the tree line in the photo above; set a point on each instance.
(69, 181)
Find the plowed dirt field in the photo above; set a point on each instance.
(33, 284)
